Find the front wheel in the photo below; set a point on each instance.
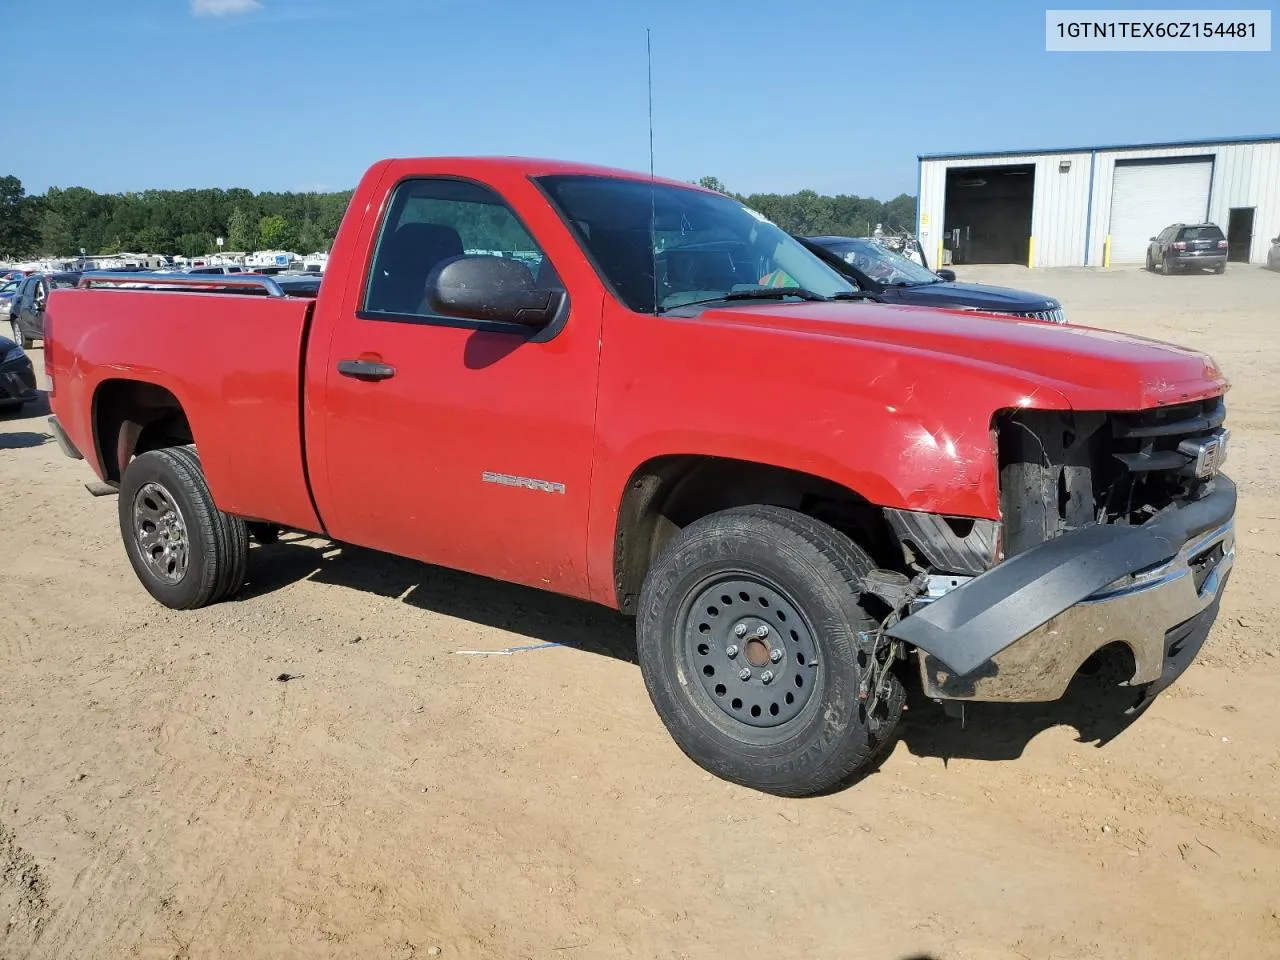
(186, 551)
(752, 637)
(18, 338)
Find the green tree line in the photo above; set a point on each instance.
(813, 214)
(63, 221)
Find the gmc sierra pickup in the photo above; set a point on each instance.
(646, 395)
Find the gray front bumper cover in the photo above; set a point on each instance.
(1021, 631)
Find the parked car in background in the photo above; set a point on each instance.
(894, 278)
(8, 290)
(220, 270)
(26, 315)
(17, 376)
(1182, 246)
(1273, 255)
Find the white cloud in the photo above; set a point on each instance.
(223, 8)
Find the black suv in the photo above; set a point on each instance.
(1199, 246)
(26, 315)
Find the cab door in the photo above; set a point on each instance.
(459, 442)
(26, 306)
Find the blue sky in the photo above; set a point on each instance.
(835, 96)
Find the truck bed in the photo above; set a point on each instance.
(232, 361)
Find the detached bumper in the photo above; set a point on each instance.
(1021, 631)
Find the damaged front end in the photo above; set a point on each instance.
(1116, 528)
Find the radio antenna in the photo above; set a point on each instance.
(653, 204)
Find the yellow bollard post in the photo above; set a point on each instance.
(1106, 252)
(1031, 252)
(938, 262)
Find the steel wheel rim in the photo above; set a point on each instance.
(751, 650)
(160, 532)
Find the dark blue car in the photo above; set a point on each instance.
(893, 278)
(17, 376)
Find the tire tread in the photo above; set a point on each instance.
(224, 538)
(795, 534)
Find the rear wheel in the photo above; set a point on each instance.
(1220, 268)
(186, 552)
(1167, 267)
(752, 641)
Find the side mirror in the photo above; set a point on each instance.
(947, 274)
(481, 287)
(1151, 238)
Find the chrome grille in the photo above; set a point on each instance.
(1049, 316)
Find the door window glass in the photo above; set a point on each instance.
(432, 221)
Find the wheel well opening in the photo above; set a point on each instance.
(131, 417)
(666, 494)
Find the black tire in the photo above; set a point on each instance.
(1151, 264)
(24, 342)
(1167, 268)
(1220, 268)
(216, 544)
(804, 564)
(265, 533)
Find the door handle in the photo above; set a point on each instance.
(366, 369)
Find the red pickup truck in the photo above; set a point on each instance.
(646, 395)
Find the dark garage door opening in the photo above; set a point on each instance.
(987, 215)
(1239, 234)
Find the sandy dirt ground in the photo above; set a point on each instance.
(163, 795)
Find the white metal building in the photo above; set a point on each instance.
(1095, 206)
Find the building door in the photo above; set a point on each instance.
(1239, 234)
(1149, 195)
(991, 207)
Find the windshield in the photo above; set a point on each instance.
(703, 246)
(880, 263)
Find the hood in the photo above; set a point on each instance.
(1093, 369)
(972, 295)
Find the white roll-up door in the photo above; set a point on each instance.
(1147, 197)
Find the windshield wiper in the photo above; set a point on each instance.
(777, 293)
(765, 293)
(772, 293)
